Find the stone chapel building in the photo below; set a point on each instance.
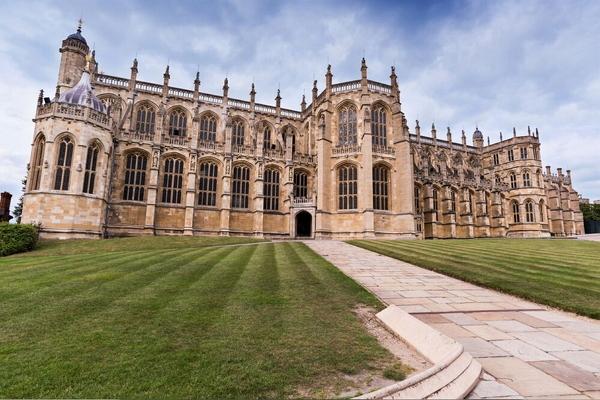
(115, 156)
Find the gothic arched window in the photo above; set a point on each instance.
(89, 176)
(379, 126)
(271, 189)
(347, 187)
(452, 200)
(529, 213)
(144, 121)
(267, 138)
(381, 183)
(436, 202)
(513, 180)
(347, 125)
(37, 162)
(208, 129)
(516, 212)
(207, 184)
(177, 123)
(417, 199)
(63, 164)
(240, 187)
(526, 179)
(135, 177)
(238, 133)
(300, 184)
(172, 180)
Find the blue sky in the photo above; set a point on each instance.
(497, 64)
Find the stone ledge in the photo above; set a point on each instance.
(454, 372)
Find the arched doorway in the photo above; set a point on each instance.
(303, 224)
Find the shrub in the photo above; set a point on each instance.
(16, 238)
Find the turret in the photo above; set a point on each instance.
(225, 89)
(418, 131)
(197, 87)
(73, 50)
(252, 94)
(166, 77)
(328, 78)
(133, 76)
(278, 101)
(363, 75)
(394, 84)
(477, 138)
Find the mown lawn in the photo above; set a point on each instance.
(179, 317)
(560, 273)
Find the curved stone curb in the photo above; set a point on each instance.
(454, 372)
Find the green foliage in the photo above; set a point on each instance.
(561, 273)
(18, 209)
(17, 238)
(396, 372)
(591, 212)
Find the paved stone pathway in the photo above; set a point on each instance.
(590, 236)
(526, 349)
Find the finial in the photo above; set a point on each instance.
(41, 97)
(537, 134)
(329, 68)
(528, 130)
(514, 131)
(448, 130)
(363, 63)
(433, 126)
(304, 99)
(315, 84)
(197, 75)
(417, 124)
(226, 82)
(278, 94)
(79, 24)
(252, 88)
(500, 135)
(488, 140)
(135, 63)
(393, 70)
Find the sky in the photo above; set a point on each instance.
(494, 64)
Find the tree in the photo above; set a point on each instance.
(18, 210)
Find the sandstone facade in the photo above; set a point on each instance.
(160, 160)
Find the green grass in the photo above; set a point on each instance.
(560, 273)
(179, 317)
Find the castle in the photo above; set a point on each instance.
(116, 156)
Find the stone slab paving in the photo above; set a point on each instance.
(526, 349)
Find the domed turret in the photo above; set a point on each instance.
(477, 138)
(73, 51)
(77, 36)
(83, 94)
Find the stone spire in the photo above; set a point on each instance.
(278, 99)
(328, 78)
(363, 69)
(315, 93)
(303, 103)
(40, 98)
(226, 88)
(252, 94)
